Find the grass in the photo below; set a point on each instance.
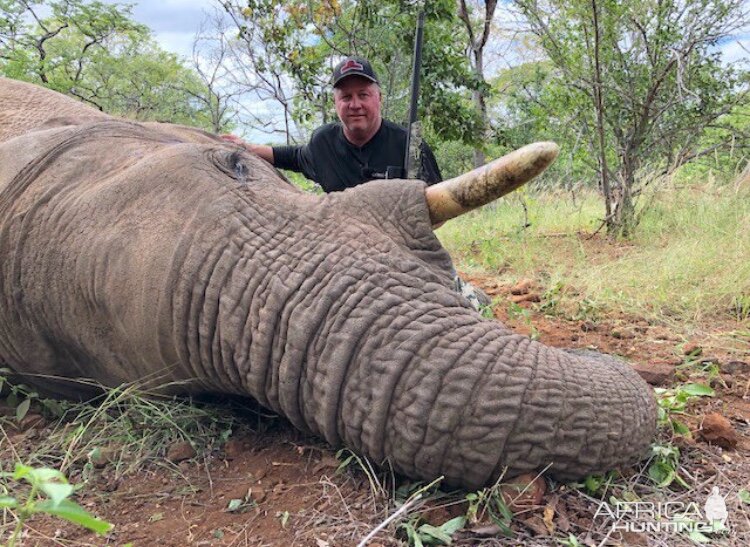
(689, 259)
(124, 427)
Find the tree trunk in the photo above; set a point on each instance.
(481, 106)
(477, 42)
(622, 220)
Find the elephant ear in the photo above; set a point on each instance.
(397, 208)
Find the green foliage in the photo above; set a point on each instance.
(489, 502)
(301, 40)
(597, 485)
(689, 260)
(672, 402)
(664, 467)
(121, 427)
(662, 84)
(95, 52)
(665, 462)
(49, 493)
(570, 541)
(426, 534)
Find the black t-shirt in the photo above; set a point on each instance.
(336, 164)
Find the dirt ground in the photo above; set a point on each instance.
(270, 485)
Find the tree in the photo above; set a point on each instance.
(290, 49)
(98, 54)
(32, 41)
(477, 42)
(211, 53)
(641, 80)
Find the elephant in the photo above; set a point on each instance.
(161, 255)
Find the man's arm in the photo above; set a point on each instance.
(264, 151)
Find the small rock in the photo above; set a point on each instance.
(716, 429)
(589, 326)
(536, 524)
(100, 457)
(523, 492)
(621, 334)
(180, 451)
(522, 287)
(233, 448)
(655, 373)
(111, 485)
(735, 367)
(530, 297)
(635, 538)
(258, 494)
(326, 462)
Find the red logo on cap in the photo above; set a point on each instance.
(351, 64)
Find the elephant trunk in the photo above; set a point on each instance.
(354, 337)
(458, 396)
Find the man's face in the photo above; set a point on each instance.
(357, 103)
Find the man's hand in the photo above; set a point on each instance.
(265, 152)
(234, 139)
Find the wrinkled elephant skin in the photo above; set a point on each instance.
(158, 254)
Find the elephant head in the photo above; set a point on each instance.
(137, 252)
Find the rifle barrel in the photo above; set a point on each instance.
(409, 158)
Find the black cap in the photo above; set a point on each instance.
(353, 66)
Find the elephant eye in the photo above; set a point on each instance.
(239, 168)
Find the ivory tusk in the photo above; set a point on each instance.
(461, 194)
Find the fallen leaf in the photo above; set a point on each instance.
(549, 515)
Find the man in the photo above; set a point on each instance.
(362, 147)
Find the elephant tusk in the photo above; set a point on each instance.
(461, 194)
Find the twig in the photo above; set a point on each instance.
(401, 510)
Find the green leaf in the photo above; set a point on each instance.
(661, 473)
(22, 409)
(344, 463)
(680, 428)
(56, 491)
(21, 471)
(431, 534)
(6, 502)
(453, 525)
(45, 474)
(72, 512)
(235, 505)
(697, 390)
(744, 496)
(412, 535)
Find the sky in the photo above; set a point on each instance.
(174, 22)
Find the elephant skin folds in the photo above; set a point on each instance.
(158, 254)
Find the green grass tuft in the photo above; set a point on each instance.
(689, 259)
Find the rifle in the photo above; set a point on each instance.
(413, 152)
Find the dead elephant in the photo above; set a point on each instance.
(157, 253)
